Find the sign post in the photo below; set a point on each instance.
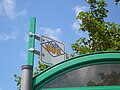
(31, 41)
(52, 52)
(27, 70)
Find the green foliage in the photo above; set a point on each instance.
(108, 79)
(40, 68)
(103, 35)
(18, 81)
(117, 1)
(67, 56)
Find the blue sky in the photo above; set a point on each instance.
(55, 18)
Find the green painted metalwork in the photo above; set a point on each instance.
(31, 41)
(88, 88)
(97, 58)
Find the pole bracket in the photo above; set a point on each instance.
(36, 37)
(31, 49)
(35, 51)
(31, 34)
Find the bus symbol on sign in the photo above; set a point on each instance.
(54, 50)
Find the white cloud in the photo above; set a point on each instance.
(76, 23)
(8, 8)
(76, 28)
(52, 33)
(7, 36)
(23, 54)
(78, 9)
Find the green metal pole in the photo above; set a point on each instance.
(27, 70)
(31, 41)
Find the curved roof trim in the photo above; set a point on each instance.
(75, 63)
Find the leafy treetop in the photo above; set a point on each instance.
(103, 35)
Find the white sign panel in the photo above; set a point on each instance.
(52, 51)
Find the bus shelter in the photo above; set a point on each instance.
(71, 74)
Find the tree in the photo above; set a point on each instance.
(103, 36)
(117, 1)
